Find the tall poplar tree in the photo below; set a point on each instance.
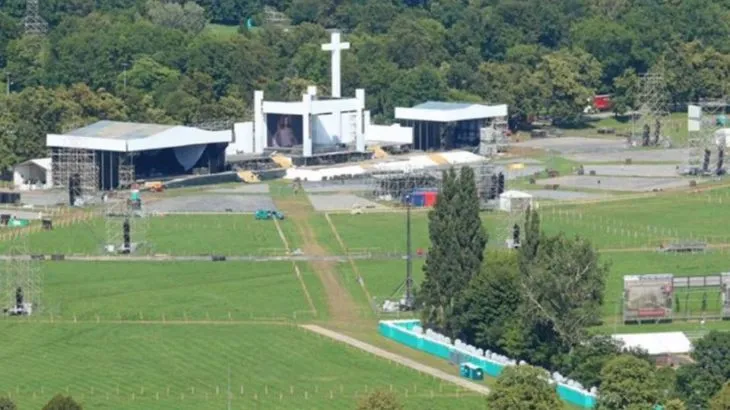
(457, 250)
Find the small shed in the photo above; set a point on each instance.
(510, 201)
(33, 174)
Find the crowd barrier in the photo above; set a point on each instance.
(409, 333)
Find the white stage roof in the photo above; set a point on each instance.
(130, 137)
(434, 111)
(657, 343)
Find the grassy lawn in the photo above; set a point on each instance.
(171, 234)
(187, 367)
(175, 291)
(221, 30)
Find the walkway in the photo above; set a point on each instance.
(478, 388)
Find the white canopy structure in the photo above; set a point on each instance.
(443, 125)
(657, 344)
(514, 201)
(131, 137)
(33, 174)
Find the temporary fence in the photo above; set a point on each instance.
(408, 332)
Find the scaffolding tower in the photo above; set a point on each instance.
(653, 110)
(70, 164)
(705, 119)
(20, 280)
(126, 223)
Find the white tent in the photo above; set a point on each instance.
(657, 343)
(514, 201)
(33, 174)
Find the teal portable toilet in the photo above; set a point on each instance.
(471, 371)
(721, 120)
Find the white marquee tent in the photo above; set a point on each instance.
(32, 174)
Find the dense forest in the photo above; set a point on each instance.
(192, 62)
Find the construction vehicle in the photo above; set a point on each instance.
(263, 215)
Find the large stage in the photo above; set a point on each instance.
(109, 154)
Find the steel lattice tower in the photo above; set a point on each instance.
(33, 23)
(652, 103)
(705, 139)
(20, 271)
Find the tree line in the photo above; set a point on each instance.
(162, 61)
(537, 304)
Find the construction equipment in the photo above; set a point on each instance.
(263, 215)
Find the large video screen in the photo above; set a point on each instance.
(285, 131)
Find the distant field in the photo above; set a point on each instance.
(222, 30)
(187, 367)
(176, 291)
(171, 234)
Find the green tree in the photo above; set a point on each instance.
(624, 88)
(380, 400)
(586, 360)
(674, 404)
(490, 302)
(563, 287)
(523, 388)
(59, 402)
(704, 378)
(628, 382)
(7, 404)
(188, 17)
(721, 400)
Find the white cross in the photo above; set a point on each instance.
(335, 47)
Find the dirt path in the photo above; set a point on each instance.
(341, 306)
(478, 388)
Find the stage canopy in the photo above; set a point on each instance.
(131, 137)
(446, 125)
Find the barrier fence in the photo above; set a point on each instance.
(404, 332)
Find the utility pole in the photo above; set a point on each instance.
(409, 256)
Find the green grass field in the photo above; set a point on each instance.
(181, 291)
(137, 366)
(172, 234)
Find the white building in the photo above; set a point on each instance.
(514, 201)
(33, 174)
(657, 344)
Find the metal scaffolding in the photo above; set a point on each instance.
(76, 164)
(653, 110)
(704, 149)
(272, 17)
(126, 224)
(20, 280)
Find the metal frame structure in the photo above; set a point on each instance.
(118, 209)
(704, 139)
(276, 18)
(67, 162)
(652, 102)
(20, 271)
(33, 23)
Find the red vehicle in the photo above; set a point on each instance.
(602, 102)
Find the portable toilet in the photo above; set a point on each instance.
(471, 371)
(430, 198)
(416, 198)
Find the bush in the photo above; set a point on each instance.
(59, 402)
(7, 404)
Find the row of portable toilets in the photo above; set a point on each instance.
(475, 363)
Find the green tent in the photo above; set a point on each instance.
(18, 223)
